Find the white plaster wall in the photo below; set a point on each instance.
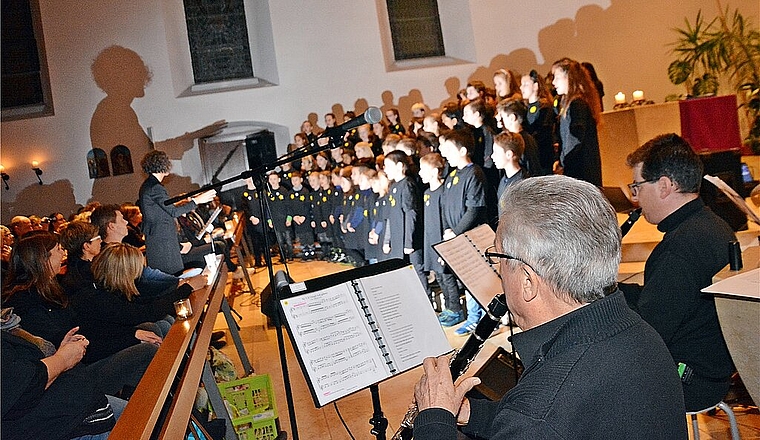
(327, 53)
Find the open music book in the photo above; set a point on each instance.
(357, 328)
(465, 255)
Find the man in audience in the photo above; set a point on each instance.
(113, 228)
(593, 367)
(20, 225)
(666, 178)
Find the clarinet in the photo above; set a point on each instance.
(633, 216)
(462, 358)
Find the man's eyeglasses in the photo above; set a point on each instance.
(634, 187)
(94, 239)
(493, 257)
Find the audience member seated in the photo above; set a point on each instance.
(109, 315)
(47, 393)
(112, 226)
(133, 216)
(33, 291)
(6, 239)
(82, 243)
(20, 225)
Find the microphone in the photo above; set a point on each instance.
(633, 216)
(280, 280)
(370, 116)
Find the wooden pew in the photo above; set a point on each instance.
(161, 405)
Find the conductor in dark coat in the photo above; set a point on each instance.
(162, 248)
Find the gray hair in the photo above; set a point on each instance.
(567, 231)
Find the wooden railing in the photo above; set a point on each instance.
(161, 405)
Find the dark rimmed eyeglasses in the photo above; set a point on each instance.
(634, 187)
(494, 257)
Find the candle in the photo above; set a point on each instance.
(638, 95)
(183, 308)
(620, 98)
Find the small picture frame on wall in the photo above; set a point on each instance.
(97, 163)
(121, 160)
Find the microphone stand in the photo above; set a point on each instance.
(372, 115)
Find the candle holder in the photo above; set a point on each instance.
(183, 309)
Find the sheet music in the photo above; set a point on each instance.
(743, 285)
(733, 196)
(337, 350)
(408, 324)
(469, 264)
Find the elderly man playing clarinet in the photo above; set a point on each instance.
(593, 368)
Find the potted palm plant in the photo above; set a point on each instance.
(725, 48)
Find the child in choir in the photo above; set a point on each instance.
(403, 236)
(322, 204)
(418, 115)
(323, 161)
(477, 115)
(299, 213)
(579, 115)
(394, 122)
(367, 203)
(255, 224)
(379, 216)
(380, 131)
(364, 154)
(540, 119)
(431, 173)
(505, 83)
(508, 148)
(280, 221)
(337, 210)
(463, 204)
(513, 112)
(351, 214)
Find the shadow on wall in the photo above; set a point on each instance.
(123, 76)
(36, 199)
(625, 42)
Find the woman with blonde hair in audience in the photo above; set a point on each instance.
(111, 315)
(579, 115)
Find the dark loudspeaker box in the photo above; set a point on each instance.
(261, 149)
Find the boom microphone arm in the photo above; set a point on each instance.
(370, 116)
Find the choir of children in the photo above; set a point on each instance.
(387, 191)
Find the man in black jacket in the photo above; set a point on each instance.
(593, 368)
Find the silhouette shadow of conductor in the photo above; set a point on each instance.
(123, 76)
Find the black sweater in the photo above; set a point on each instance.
(597, 372)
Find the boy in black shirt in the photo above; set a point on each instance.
(463, 202)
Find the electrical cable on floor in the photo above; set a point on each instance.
(337, 411)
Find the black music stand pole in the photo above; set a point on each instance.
(260, 183)
(378, 421)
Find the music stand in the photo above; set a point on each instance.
(258, 173)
